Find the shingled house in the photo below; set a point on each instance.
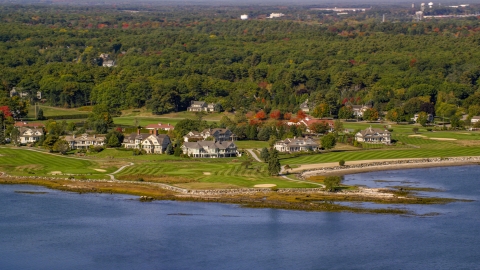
(211, 149)
(201, 106)
(84, 141)
(296, 145)
(152, 143)
(29, 135)
(374, 135)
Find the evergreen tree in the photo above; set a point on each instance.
(40, 115)
(264, 154)
(273, 162)
(169, 150)
(113, 141)
(2, 129)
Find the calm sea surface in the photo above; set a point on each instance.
(61, 230)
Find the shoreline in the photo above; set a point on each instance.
(304, 199)
(364, 166)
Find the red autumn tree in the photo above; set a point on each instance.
(275, 114)
(287, 116)
(301, 115)
(6, 111)
(261, 115)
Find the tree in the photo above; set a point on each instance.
(40, 115)
(264, 134)
(169, 150)
(322, 110)
(370, 114)
(272, 140)
(331, 182)
(273, 162)
(61, 146)
(2, 128)
(328, 141)
(275, 114)
(114, 138)
(338, 126)
(422, 118)
(301, 115)
(264, 154)
(113, 141)
(15, 136)
(346, 112)
(318, 128)
(50, 141)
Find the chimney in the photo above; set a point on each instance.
(156, 132)
(74, 135)
(150, 131)
(94, 136)
(138, 131)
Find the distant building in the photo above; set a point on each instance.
(276, 15)
(108, 63)
(84, 141)
(30, 135)
(429, 118)
(358, 110)
(296, 145)
(475, 119)
(160, 126)
(244, 17)
(209, 149)
(201, 106)
(304, 106)
(374, 135)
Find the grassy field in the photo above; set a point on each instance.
(207, 173)
(251, 144)
(24, 162)
(53, 111)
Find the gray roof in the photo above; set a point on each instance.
(298, 142)
(374, 132)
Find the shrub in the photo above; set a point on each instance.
(341, 162)
(331, 182)
(390, 129)
(429, 129)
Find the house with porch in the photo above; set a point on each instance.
(29, 135)
(152, 143)
(210, 149)
(374, 135)
(201, 106)
(84, 141)
(296, 145)
(218, 134)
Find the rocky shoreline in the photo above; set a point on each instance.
(389, 165)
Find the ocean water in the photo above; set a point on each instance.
(63, 230)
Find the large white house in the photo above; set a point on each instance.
(152, 143)
(296, 145)
(374, 135)
(211, 149)
(201, 106)
(29, 135)
(84, 141)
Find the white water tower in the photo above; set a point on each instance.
(244, 17)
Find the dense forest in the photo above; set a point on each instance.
(164, 59)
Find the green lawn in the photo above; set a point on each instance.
(224, 171)
(380, 154)
(53, 111)
(251, 144)
(17, 161)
